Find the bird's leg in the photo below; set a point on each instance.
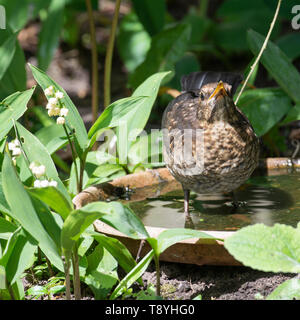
(186, 201)
(236, 203)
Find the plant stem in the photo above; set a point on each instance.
(157, 267)
(261, 51)
(67, 275)
(203, 5)
(95, 78)
(73, 156)
(76, 276)
(109, 54)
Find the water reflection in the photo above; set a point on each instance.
(265, 200)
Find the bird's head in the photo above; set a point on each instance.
(215, 102)
(215, 91)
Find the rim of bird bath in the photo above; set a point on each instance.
(191, 251)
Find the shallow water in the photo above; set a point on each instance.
(268, 200)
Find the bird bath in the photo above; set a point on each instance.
(271, 195)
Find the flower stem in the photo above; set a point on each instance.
(261, 51)
(95, 78)
(73, 156)
(109, 54)
(157, 267)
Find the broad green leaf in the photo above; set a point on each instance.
(93, 161)
(135, 122)
(15, 76)
(236, 18)
(37, 291)
(7, 51)
(292, 115)
(133, 41)
(151, 13)
(36, 151)
(277, 64)
(117, 250)
(53, 137)
(50, 223)
(288, 290)
(18, 255)
(17, 13)
(116, 113)
(171, 236)
(12, 108)
(4, 207)
(50, 33)
(54, 198)
(274, 249)
(290, 44)
(24, 212)
(132, 276)
(185, 65)
(114, 214)
(167, 47)
(73, 118)
(105, 172)
(6, 228)
(146, 149)
(264, 107)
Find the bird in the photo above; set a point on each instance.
(209, 145)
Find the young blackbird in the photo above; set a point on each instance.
(209, 145)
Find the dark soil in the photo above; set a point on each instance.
(184, 281)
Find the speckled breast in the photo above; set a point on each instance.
(222, 156)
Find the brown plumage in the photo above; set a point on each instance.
(209, 144)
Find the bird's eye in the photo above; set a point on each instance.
(202, 96)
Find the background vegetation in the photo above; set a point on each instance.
(117, 61)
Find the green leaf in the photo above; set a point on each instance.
(53, 137)
(167, 47)
(13, 107)
(117, 112)
(264, 107)
(288, 290)
(15, 76)
(114, 214)
(101, 273)
(73, 118)
(277, 64)
(171, 236)
(50, 33)
(17, 13)
(236, 18)
(93, 161)
(290, 44)
(117, 250)
(4, 207)
(24, 212)
(37, 291)
(18, 255)
(135, 122)
(292, 115)
(146, 149)
(105, 172)
(6, 228)
(36, 151)
(54, 198)
(132, 276)
(7, 51)
(133, 42)
(274, 249)
(151, 13)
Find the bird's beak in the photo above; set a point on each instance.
(220, 90)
